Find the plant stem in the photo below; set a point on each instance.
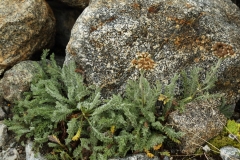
(141, 87)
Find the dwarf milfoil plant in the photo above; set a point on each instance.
(53, 98)
(71, 117)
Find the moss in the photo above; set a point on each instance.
(223, 138)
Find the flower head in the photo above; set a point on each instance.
(143, 61)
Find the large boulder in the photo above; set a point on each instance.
(25, 27)
(76, 3)
(177, 33)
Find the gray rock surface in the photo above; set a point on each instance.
(17, 80)
(25, 27)
(177, 33)
(30, 155)
(10, 154)
(136, 157)
(229, 153)
(200, 121)
(3, 134)
(76, 3)
(3, 115)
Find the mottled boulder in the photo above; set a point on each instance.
(200, 122)
(76, 3)
(26, 26)
(177, 33)
(17, 80)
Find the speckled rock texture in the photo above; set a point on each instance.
(229, 153)
(17, 80)
(3, 134)
(200, 122)
(26, 26)
(136, 157)
(177, 33)
(76, 3)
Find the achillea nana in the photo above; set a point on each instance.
(143, 61)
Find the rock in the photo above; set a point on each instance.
(229, 153)
(136, 157)
(76, 3)
(3, 134)
(206, 148)
(17, 80)
(200, 121)
(10, 154)
(2, 114)
(178, 35)
(30, 155)
(25, 28)
(1, 94)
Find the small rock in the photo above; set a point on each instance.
(10, 154)
(2, 114)
(17, 80)
(136, 157)
(206, 148)
(30, 155)
(200, 121)
(229, 153)
(3, 134)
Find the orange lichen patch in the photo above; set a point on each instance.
(70, 50)
(136, 6)
(222, 50)
(184, 21)
(188, 5)
(153, 9)
(196, 60)
(100, 24)
(231, 83)
(93, 28)
(189, 41)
